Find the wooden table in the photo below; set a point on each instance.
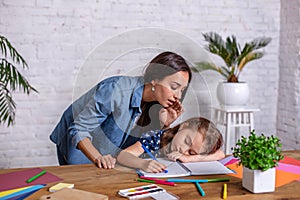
(109, 182)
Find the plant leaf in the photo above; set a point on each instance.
(16, 57)
(12, 77)
(7, 106)
(202, 66)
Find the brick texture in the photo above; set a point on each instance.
(71, 46)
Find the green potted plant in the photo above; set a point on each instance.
(235, 59)
(259, 155)
(10, 80)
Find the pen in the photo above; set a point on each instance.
(156, 181)
(225, 191)
(201, 191)
(198, 180)
(36, 176)
(151, 155)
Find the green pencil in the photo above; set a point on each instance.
(36, 176)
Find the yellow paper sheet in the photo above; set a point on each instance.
(7, 192)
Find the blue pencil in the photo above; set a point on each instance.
(151, 155)
(201, 191)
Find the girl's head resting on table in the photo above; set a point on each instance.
(195, 136)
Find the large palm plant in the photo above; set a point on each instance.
(234, 56)
(10, 80)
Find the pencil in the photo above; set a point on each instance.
(36, 176)
(151, 155)
(201, 191)
(225, 191)
(153, 179)
(156, 181)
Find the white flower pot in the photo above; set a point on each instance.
(233, 94)
(258, 181)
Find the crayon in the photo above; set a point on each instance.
(225, 191)
(156, 181)
(36, 176)
(201, 191)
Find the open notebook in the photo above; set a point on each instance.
(178, 169)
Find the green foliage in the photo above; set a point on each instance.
(258, 152)
(234, 57)
(10, 80)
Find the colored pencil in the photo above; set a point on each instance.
(225, 191)
(36, 176)
(201, 191)
(156, 181)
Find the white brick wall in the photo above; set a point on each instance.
(58, 37)
(288, 116)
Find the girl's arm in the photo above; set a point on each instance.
(130, 158)
(219, 154)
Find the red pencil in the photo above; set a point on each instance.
(153, 179)
(156, 181)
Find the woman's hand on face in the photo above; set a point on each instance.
(153, 166)
(168, 115)
(106, 161)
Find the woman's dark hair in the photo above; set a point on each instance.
(212, 138)
(164, 64)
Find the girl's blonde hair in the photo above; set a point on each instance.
(212, 138)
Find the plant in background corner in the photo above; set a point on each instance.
(258, 152)
(10, 80)
(234, 57)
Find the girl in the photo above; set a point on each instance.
(196, 139)
(113, 115)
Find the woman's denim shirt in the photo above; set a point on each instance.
(105, 115)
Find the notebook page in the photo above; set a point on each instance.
(207, 168)
(174, 170)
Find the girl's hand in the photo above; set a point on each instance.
(153, 166)
(176, 155)
(106, 161)
(168, 115)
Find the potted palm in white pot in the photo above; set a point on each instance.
(259, 155)
(232, 91)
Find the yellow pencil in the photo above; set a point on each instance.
(225, 191)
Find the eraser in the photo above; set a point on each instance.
(60, 186)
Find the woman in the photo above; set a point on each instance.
(112, 115)
(194, 140)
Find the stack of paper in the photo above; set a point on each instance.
(13, 185)
(288, 169)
